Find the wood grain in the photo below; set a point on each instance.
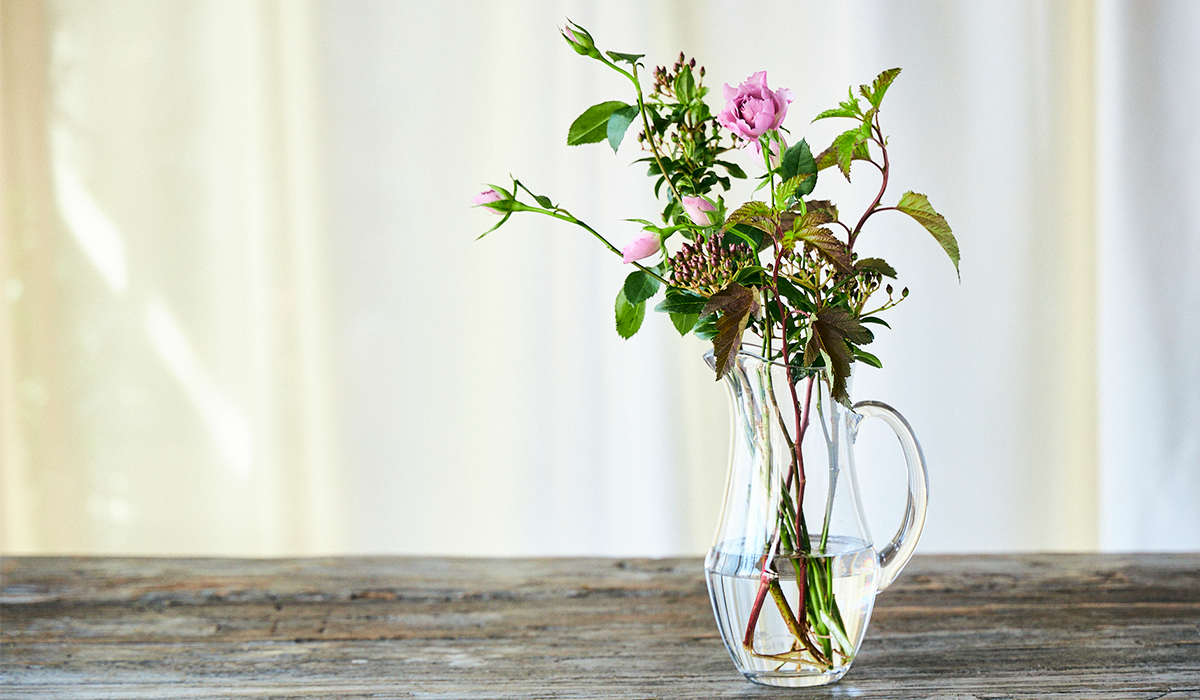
(952, 627)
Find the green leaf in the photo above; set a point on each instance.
(639, 287)
(798, 160)
(706, 327)
(630, 58)
(684, 323)
(736, 304)
(860, 354)
(542, 200)
(849, 109)
(846, 144)
(498, 225)
(685, 85)
(681, 302)
(876, 265)
(618, 124)
(756, 214)
(826, 207)
(917, 206)
(744, 234)
(829, 157)
(793, 294)
(629, 316)
(828, 245)
(787, 188)
(832, 331)
(752, 276)
(874, 319)
(840, 111)
(738, 234)
(880, 86)
(592, 125)
(733, 169)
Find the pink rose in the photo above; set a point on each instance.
(487, 197)
(753, 109)
(643, 246)
(697, 209)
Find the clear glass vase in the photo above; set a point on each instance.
(793, 589)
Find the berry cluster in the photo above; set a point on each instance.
(707, 267)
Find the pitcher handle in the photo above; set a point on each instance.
(896, 554)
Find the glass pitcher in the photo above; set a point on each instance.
(793, 589)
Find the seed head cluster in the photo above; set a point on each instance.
(707, 267)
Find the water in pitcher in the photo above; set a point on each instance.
(847, 573)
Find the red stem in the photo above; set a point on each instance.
(882, 187)
(797, 463)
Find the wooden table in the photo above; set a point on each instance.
(1079, 626)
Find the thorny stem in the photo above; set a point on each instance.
(563, 215)
(650, 134)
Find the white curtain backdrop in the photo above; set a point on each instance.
(245, 310)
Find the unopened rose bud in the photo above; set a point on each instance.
(580, 40)
(641, 247)
(697, 209)
(487, 197)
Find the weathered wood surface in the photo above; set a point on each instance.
(1026, 626)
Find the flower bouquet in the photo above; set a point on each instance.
(778, 286)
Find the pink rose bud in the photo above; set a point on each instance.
(697, 209)
(580, 40)
(777, 149)
(487, 197)
(643, 246)
(753, 109)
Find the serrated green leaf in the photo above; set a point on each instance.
(756, 214)
(827, 158)
(849, 109)
(618, 124)
(828, 245)
(876, 265)
(797, 160)
(882, 82)
(684, 323)
(735, 304)
(918, 207)
(629, 316)
(592, 125)
(787, 188)
(834, 112)
(846, 145)
(824, 207)
(832, 331)
(639, 287)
